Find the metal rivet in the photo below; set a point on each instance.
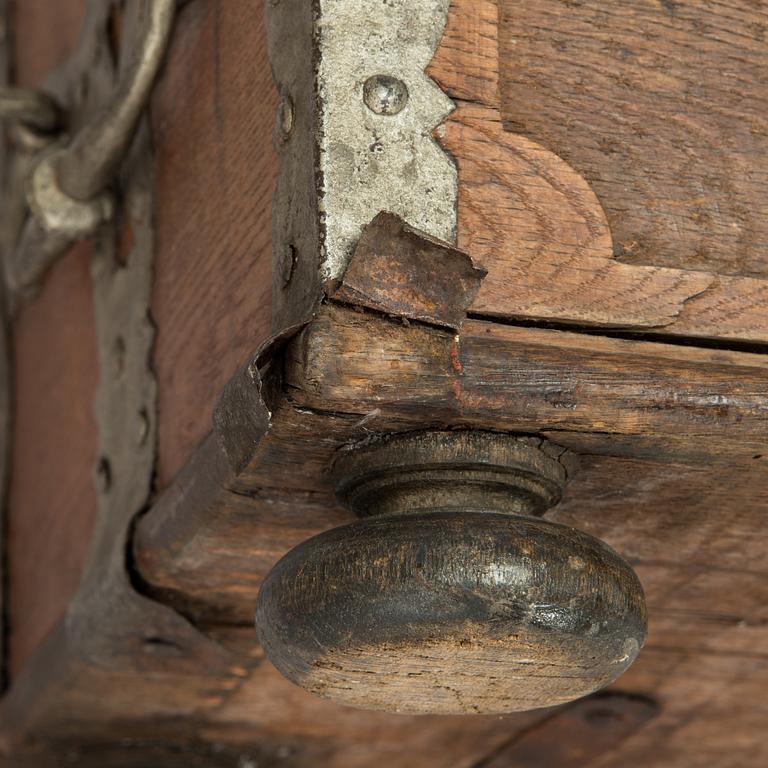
(286, 116)
(385, 95)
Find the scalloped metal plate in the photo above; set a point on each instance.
(342, 163)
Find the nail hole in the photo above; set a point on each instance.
(104, 474)
(289, 264)
(118, 353)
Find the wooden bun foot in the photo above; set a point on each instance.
(450, 595)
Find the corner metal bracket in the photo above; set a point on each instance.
(354, 133)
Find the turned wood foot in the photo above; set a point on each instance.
(451, 594)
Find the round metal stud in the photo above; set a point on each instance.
(385, 95)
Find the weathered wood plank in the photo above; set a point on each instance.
(206, 546)
(688, 509)
(705, 581)
(54, 454)
(694, 531)
(691, 402)
(663, 108)
(54, 379)
(350, 375)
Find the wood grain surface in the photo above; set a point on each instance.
(663, 108)
(350, 375)
(635, 397)
(692, 528)
(212, 117)
(52, 504)
(672, 438)
(608, 242)
(452, 611)
(705, 582)
(44, 35)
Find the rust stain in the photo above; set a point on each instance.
(457, 393)
(401, 271)
(459, 369)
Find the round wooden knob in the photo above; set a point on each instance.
(450, 595)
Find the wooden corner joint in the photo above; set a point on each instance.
(395, 271)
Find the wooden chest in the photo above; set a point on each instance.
(339, 221)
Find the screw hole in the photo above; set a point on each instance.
(118, 352)
(104, 475)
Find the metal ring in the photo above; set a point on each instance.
(33, 109)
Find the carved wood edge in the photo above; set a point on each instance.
(580, 284)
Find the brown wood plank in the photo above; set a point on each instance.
(251, 714)
(212, 118)
(712, 711)
(663, 108)
(350, 375)
(44, 36)
(52, 504)
(688, 401)
(693, 529)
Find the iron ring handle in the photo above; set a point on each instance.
(67, 186)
